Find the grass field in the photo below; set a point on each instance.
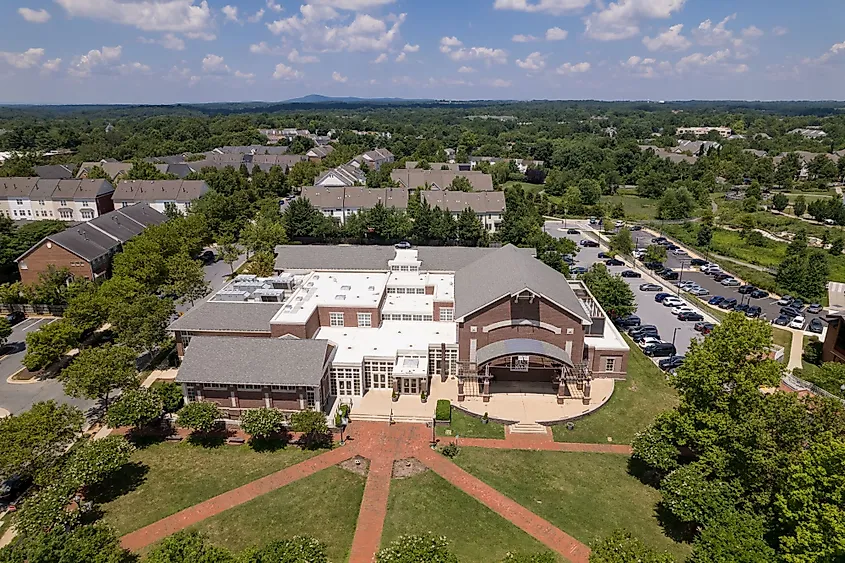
(634, 404)
(636, 207)
(428, 503)
(324, 506)
(783, 338)
(587, 495)
(470, 427)
(808, 197)
(165, 478)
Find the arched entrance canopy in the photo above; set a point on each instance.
(521, 347)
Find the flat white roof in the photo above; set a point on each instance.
(609, 340)
(406, 338)
(332, 289)
(444, 284)
(408, 303)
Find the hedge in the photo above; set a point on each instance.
(443, 410)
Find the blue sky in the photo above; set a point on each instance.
(166, 51)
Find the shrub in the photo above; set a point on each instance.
(417, 549)
(315, 431)
(262, 423)
(443, 411)
(136, 408)
(450, 450)
(813, 351)
(188, 547)
(621, 547)
(171, 396)
(299, 549)
(199, 417)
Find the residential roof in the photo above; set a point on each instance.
(508, 271)
(320, 152)
(85, 241)
(256, 361)
(367, 198)
(521, 347)
(252, 149)
(113, 169)
(324, 198)
(347, 174)
(674, 157)
(284, 160)
(16, 187)
(159, 190)
(142, 213)
(54, 188)
(57, 171)
(440, 179)
(480, 202)
(224, 316)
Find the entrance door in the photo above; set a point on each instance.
(410, 386)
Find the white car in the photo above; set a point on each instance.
(679, 252)
(672, 302)
(619, 224)
(649, 340)
(710, 268)
(731, 282)
(797, 322)
(682, 309)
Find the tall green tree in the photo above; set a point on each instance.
(49, 343)
(621, 243)
(470, 230)
(799, 206)
(98, 372)
(611, 291)
(34, 439)
(780, 201)
(186, 278)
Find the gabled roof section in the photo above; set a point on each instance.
(509, 271)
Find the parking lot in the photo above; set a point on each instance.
(649, 311)
(771, 310)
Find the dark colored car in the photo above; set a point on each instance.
(660, 350)
(12, 488)
(721, 276)
(753, 312)
(690, 316)
(15, 317)
(638, 331)
(650, 287)
(798, 305)
(728, 303)
(670, 275)
(746, 289)
(790, 312)
(628, 322)
(672, 247)
(578, 270)
(816, 325)
(782, 320)
(635, 228)
(741, 308)
(672, 362)
(604, 255)
(614, 262)
(568, 259)
(631, 274)
(208, 256)
(573, 232)
(653, 265)
(715, 300)
(703, 327)
(698, 262)
(661, 296)
(814, 308)
(589, 243)
(759, 294)
(658, 240)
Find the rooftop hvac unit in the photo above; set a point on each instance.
(248, 286)
(245, 277)
(269, 295)
(230, 295)
(284, 281)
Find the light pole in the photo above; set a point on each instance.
(674, 332)
(681, 277)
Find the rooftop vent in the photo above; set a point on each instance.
(345, 287)
(340, 297)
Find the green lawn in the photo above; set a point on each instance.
(783, 338)
(636, 207)
(587, 495)
(168, 477)
(470, 427)
(634, 404)
(428, 503)
(324, 506)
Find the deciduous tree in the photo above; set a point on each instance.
(136, 408)
(32, 440)
(49, 343)
(97, 372)
(611, 291)
(780, 201)
(622, 243)
(188, 547)
(262, 423)
(186, 278)
(199, 416)
(96, 459)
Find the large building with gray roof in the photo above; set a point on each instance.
(158, 194)
(73, 200)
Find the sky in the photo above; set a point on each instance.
(188, 51)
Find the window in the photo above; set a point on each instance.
(283, 388)
(610, 364)
(41, 202)
(249, 387)
(378, 374)
(16, 212)
(346, 382)
(310, 398)
(428, 317)
(63, 202)
(19, 201)
(185, 337)
(418, 318)
(192, 393)
(407, 317)
(66, 213)
(87, 213)
(420, 291)
(336, 319)
(23, 265)
(215, 387)
(365, 319)
(447, 314)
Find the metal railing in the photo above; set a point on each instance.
(799, 384)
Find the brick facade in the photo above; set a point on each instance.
(180, 346)
(833, 350)
(49, 253)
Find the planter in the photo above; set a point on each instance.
(395, 398)
(485, 420)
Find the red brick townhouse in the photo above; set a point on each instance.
(395, 321)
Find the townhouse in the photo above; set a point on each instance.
(374, 159)
(440, 179)
(64, 200)
(488, 206)
(159, 193)
(340, 203)
(345, 175)
(317, 154)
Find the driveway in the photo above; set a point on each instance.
(648, 309)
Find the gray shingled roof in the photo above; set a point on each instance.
(416, 178)
(508, 271)
(143, 214)
(85, 241)
(522, 347)
(227, 317)
(480, 202)
(254, 361)
(55, 171)
(159, 190)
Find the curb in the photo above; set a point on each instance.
(12, 381)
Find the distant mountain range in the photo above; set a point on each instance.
(319, 99)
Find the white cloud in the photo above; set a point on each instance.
(273, 6)
(556, 34)
(262, 48)
(256, 17)
(203, 35)
(501, 83)
(353, 5)
(466, 70)
(646, 67)
(752, 32)
(569, 68)
(34, 16)
(380, 59)
(779, 31)
(95, 60)
(284, 72)
(620, 19)
(715, 35)
(214, 64)
(833, 51)
(27, 59)
(520, 38)
(364, 33)
(447, 43)
(718, 60)
(400, 58)
(338, 77)
(231, 13)
(453, 47)
(295, 57)
(130, 68)
(168, 15)
(669, 40)
(408, 48)
(554, 7)
(168, 41)
(533, 62)
(52, 65)
(248, 76)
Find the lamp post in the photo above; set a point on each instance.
(681, 276)
(674, 332)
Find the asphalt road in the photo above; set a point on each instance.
(770, 309)
(650, 311)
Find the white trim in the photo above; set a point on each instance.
(521, 322)
(584, 321)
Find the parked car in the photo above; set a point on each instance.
(573, 232)
(627, 322)
(700, 291)
(798, 322)
(673, 301)
(715, 300)
(660, 350)
(578, 270)
(721, 276)
(680, 308)
(636, 228)
(729, 303)
(208, 257)
(650, 287)
(15, 317)
(759, 294)
(404, 244)
(669, 275)
(816, 325)
(785, 300)
(797, 304)
(594, 221)
(661, 296)
(670, 363)
(648, 330)
(746, 289)
(589, 244)
(698, 262)
(648, 341)
(614, 262)
(702, 326)
(604, 255)
(12, 488)
(790, 312)
(690, 316)
(741, 308)
(679, 251)
(753, 312)
(653, 265)
(782, 320)
(631, 274)
(658, 240)
(730, 282)
(814, 308)
(709, 268)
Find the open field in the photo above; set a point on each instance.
(636, 207)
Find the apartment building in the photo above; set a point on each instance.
(488, 206)
(65, 200)
(159, 193)
(340, 203)
(440, 179)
